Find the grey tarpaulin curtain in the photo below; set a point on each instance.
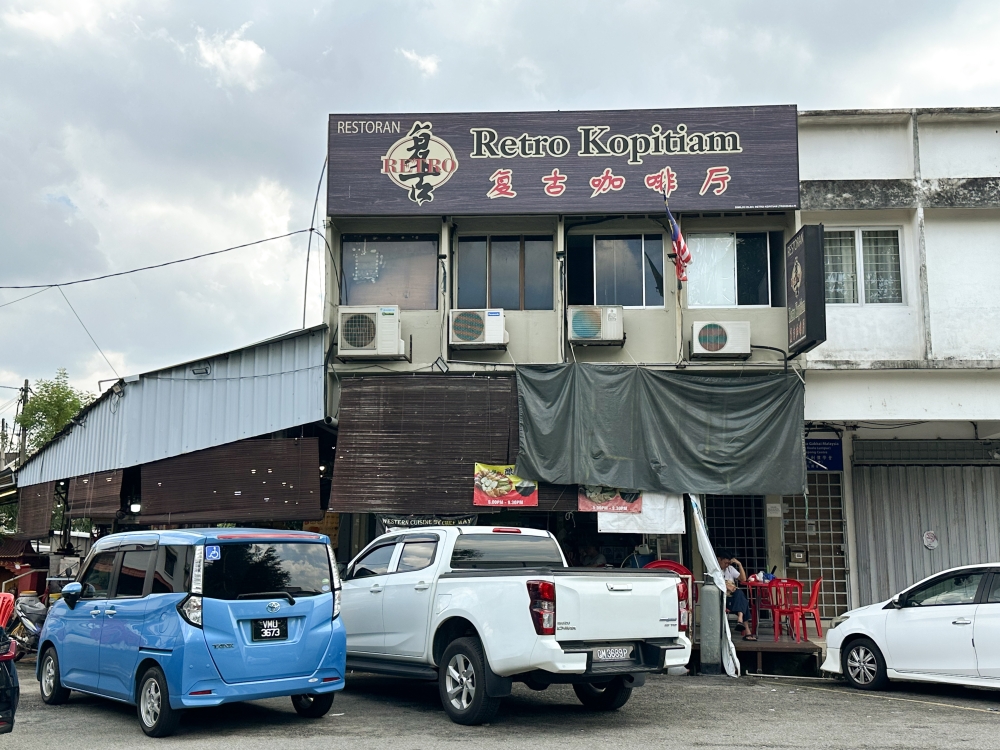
(636, 428)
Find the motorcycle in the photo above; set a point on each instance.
(25, 624)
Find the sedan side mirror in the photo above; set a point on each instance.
(896, 602)
(72, 592)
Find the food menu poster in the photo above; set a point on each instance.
(497, 486)
(592, 499)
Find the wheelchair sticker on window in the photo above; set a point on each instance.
(213, 552)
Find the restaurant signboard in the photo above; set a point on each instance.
(805, 291)
(617, 161)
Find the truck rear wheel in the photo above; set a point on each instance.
(603, 696)
(462, 683)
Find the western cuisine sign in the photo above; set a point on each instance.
(726, 158)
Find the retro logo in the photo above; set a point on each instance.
(420, 163)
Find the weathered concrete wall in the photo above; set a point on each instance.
(959, 147)
(873, 151)
(963, 272)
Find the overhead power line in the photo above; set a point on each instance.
(88, 332)
(43, 287)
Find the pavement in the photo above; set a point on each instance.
(380, 712)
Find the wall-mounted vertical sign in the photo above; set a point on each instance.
(804, 290)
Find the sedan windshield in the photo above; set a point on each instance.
(243, 571)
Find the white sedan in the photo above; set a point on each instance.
(946, 628)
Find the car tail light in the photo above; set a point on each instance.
(11, 652)
(190, 610)
(335, 572)
(200, 692)
(682, 606)
(543, 606)
(506, 530)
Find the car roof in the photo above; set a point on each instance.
(207, 536)
(974, 566)
(469, 530)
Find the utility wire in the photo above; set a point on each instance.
(88, 332)
(312, 228)
(43, 287)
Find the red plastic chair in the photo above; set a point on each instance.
(6, 608)
(786, 601)
(811, 609)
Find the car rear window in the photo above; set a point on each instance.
(244, 571)
(493, 551)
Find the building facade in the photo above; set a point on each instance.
(902, 399)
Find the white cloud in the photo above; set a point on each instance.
(234, 60)
(57, 19)
(426, 64)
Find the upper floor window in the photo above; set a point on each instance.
(615, 270)
(872, 255)
(390, 269)
(509, 271)
(735, 269)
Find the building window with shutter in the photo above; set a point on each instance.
(862, 266)
(734, 269)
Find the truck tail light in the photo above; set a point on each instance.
(682, 606)
(542, 606)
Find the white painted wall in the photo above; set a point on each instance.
(963, 274)
(899, 396)
(855, 152)
(959, 148)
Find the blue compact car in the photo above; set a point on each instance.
(169, 620)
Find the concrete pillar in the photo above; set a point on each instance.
(712, 612)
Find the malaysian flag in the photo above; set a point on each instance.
(682, 256)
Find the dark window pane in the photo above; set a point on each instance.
(505, 272)
(880, 256)
(618, 270)
(472, 272)
(994, 595)
(580, 269)
(132, 576)
(752, 287)
(955, 589)
(505, 551)
(777, 250)
(244, 570)
(652, 262)
(416, 556)
(375, 563)
(537, 273)
(390, 270)
(97, 580)
(172, 574)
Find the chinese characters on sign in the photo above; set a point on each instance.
(725, 158)
(804, 290)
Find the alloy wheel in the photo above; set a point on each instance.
(48, 676)
(460, 682)
(149, 702)
(862, 665)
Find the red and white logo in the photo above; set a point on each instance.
(420, 162)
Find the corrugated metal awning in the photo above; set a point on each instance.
(263, 388)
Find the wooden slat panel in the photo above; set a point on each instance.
(251, 480)
(96, 496)
(408, 444)
(34, 512)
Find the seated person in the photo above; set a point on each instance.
(591, 557)
(736, 601)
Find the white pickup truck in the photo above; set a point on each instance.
(477, 608)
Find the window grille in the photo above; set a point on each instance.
(736, 522)
(841, 267)
(880, 252)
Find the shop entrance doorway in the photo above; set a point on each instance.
(736, 523)
(818, 527)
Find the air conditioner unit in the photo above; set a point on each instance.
(596, 325)
(370, 332)
(478, 329)
(720, 339)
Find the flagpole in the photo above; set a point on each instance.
(679, 311)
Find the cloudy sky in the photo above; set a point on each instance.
(137, 132)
